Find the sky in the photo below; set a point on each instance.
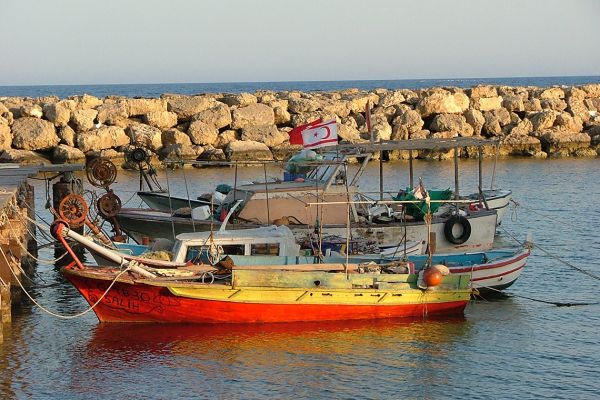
(176, 41)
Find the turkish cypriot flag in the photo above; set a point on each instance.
(320, 135)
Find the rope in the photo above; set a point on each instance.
(554, 303)
(568, 264)
(56, 314)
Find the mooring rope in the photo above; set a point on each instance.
(568, 264)
(554, 303)
(51, 312)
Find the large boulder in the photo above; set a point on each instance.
(248, 151)
(406, 123)
(357, 102)
(553, 104)
(5, 137)
(67, 154)
(513, 103)
(239, 99)
(591, 90)
(482, 91)
(59, 113)
(302, 105)
(34, 134)
(521, 145)
(254, 114)
(491, 126)
(67, 135)
(443, 102)
(112, 112)
(225, 138)
(161, 119)
(391, 98)
(202, 133)
(86, 101)
(522, 128)
(543, 120)
(104, 137)
(83, 119)
(218, 116)
(139, 107)
(561, 142)
(146, 136)
(175, 137)
(23, 157)
(476, 119)
(267, 134)
(451, 122)
(31, 110)
(186, 106)
(486, 103)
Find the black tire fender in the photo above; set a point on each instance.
(449, 227)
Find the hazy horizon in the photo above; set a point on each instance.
(80, 42)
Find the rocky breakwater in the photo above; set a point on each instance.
(530, 121)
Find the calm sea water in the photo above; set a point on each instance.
(507, 348)
(155, 90)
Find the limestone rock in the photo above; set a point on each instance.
(112, 112)
(302, 105)
(23, 157)
(31, 110)
(513, 103)
(483, 91)
(67, 154)
(451, 122)
(102, 138)
(209, 153)
(145, 136)
(486, 103)
(304, 118)
(186, 106)
(239, 99)
(476, 119)
(410, 119)
(86, 101)
(161, 119)
(564, 121)
(285, 151)
(218, 116)
(341, 108)
(67, 135)
(349, 132)
(520, 145)
(59, 113)
(176, 152)
(83, 119)
(555, 93)
(139, 107)
(543, 120)
(267, 134)
(248, 151)
(5, 137)
(523, 128)
(254, 114)
(532, 105)
(391, 98)
(34, 134)
(225, 138)
(554, 141)
(175, 137)
(491, 126)
(382, 130)
(281, 115)
(553, 104)
(591, 90)
(202, 133)
(443, 102)
(357, 102)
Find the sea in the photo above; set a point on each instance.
(540, 341)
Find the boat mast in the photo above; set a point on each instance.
(456, 193)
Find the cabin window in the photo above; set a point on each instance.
(234, 249)
(196, 254)
(268, 249)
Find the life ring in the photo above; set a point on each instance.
(449, 228)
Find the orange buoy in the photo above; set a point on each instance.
(432, 277)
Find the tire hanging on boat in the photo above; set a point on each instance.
(449, 229)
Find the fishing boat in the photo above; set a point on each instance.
(315, 202)
(137, 292)
(163, 201)
(490, 271)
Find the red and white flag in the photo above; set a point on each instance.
(296, 133)
(320, 135)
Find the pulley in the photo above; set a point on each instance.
(109, 205)
(101, 172)
(73, 209)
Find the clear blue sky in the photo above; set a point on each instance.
(151, 41)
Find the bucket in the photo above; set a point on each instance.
(201, 213)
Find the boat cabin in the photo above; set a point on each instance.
(265, 241)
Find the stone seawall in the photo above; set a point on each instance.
(530, 121)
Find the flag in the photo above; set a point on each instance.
(320, 135)
(296, 133)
